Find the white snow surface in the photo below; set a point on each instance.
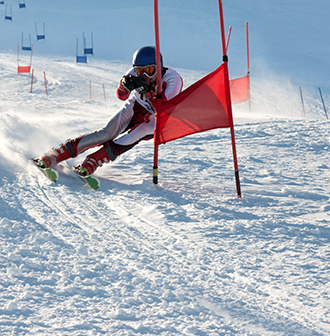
(188, 257)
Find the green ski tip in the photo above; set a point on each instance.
(93, 182)
(51, 174)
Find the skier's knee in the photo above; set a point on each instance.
(109, 151)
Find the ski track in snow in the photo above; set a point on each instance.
(187, 257)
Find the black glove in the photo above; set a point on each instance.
(142, 84)
(130, 82)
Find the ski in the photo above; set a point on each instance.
(91, 181)
(50, 173)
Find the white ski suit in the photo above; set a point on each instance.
(135, 121)
(137, 116)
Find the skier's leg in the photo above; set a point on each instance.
(116, 125)
(96, 159)
(112, 149)
(144, 131)
(74, 147)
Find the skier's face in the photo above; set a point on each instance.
(147, 71)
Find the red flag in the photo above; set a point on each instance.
(200, 107)
(23, 69)
(240, 89)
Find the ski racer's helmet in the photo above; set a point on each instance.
(144, 62)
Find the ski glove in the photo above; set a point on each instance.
(130, 82)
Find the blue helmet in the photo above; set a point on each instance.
(146, 56)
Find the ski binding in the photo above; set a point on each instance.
(91, 181)
(50, 173)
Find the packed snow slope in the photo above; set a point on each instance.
(188, 257)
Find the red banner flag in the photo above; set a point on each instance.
(240, 89)
(200, 107)
(23, 69)
(203, 106)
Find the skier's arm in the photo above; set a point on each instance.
(122, 93)
(129, 83)
(173, 85)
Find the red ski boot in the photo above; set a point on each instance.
(95, 160)
(54, 156)
(63, 152)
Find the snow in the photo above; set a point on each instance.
(188, 257)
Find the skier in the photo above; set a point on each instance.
(136, 118)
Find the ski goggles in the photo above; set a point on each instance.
(148, 70)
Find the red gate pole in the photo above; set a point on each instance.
(45, 83)
(248, 63)
(228, 99)
(32, 80)
(31, 56)
(228, 38)
(158, 96)
(105, 99)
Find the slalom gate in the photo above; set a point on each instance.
(27, 68)
(40, 36)
(174, 118)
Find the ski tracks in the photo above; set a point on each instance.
(157, 250)
(151, 254)
(136, 240)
